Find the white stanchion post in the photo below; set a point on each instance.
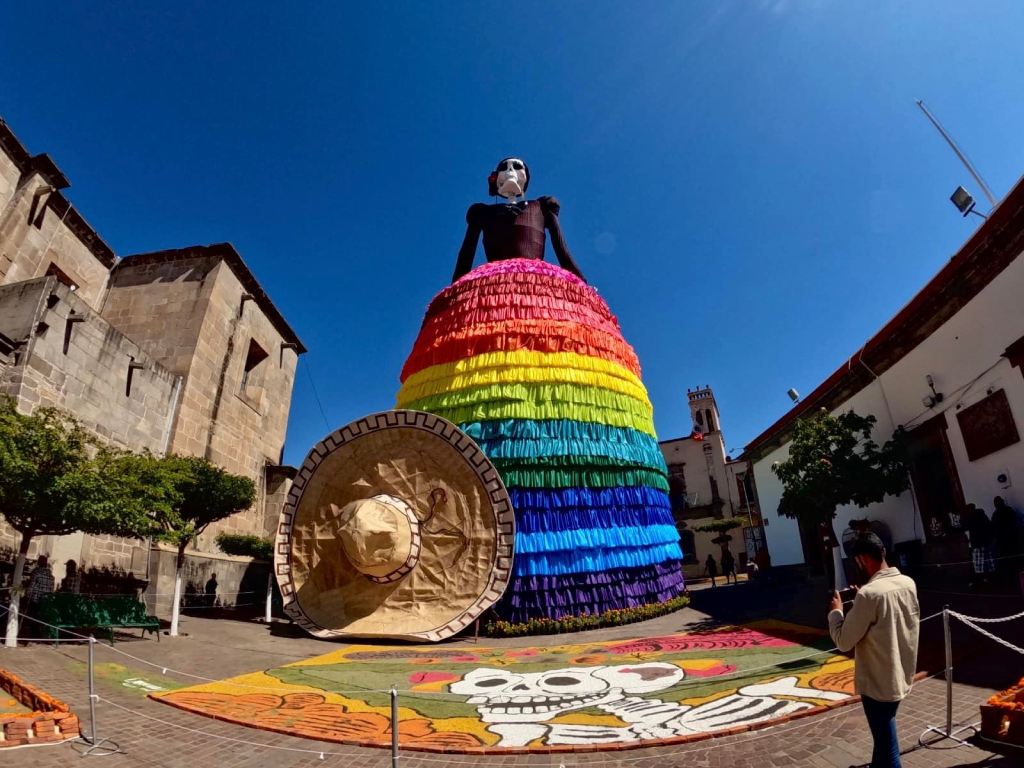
(947, 732)
(97, 747)
(92, 690)
(394, 727)
(949, 669)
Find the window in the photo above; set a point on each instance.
(677, 488)
(61, 276)
(252, 375)
(689, 546)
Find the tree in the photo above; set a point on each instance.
(58, 480)
(256, 547)
(722, 528)
(719, 526)
(834, 461)
(205, 494)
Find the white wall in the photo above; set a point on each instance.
(964, 357)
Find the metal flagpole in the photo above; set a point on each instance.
(963, 158)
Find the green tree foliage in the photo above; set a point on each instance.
(56, 479)
(205, 493)
(245, 545)
(248, 545)
(833, 461)
(719, 526)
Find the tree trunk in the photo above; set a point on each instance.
(176, 605)
(270, 592)
(11, 640)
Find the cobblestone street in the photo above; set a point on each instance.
(151, 734)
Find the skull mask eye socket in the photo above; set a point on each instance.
(561, 680)
(492, 682)
(485, 682)
(567, 682)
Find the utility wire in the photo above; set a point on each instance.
(316, 394)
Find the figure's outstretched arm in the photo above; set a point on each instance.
(550, 206)
(468, 250)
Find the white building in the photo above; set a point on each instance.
(949, 369)
(705, 485)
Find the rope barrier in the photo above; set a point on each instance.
(966, 562)
(618, 760)
(987, 621)
(164, 669)
(1005, 643)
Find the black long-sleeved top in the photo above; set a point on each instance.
(514, 230)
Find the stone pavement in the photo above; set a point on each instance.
(152, 734)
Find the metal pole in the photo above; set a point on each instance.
(948, 733)
(963, 158)
(92, 693)
(394, 728)
(949, 671)
(95, 745)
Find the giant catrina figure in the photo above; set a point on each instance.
(527, 358)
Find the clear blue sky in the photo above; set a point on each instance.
(749, 185)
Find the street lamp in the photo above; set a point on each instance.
(964, 203)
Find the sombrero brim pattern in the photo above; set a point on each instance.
(466, 531)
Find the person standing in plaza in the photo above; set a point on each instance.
(39, 584)
(711, 569)
(979, 532)
(1006, 535)
(729, 566)
(72, 581)
(211, 591)
(882, 630)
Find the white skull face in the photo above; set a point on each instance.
(511, 178)
(534, 697)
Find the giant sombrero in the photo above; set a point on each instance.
(396, 526)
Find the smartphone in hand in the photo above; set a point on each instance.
(847, 595)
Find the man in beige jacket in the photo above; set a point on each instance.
(882, 630)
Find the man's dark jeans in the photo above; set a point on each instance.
(881, 717)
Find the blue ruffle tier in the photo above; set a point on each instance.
(592, 593)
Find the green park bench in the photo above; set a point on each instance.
(63, 610)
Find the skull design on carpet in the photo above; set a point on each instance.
(518, 707)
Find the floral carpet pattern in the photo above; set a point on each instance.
(567, 696)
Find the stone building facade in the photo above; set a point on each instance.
(706, 485)
(174, 351)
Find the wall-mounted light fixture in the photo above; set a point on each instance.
(793, 395)
(930, 401)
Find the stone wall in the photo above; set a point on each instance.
(35, 235)
(73, 359)
(76, 361)
(190, 309)
(211, 360)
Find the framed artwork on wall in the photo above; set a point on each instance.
(988, 426)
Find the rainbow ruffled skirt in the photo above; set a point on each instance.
(530, 362)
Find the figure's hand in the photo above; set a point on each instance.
(837, 602)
